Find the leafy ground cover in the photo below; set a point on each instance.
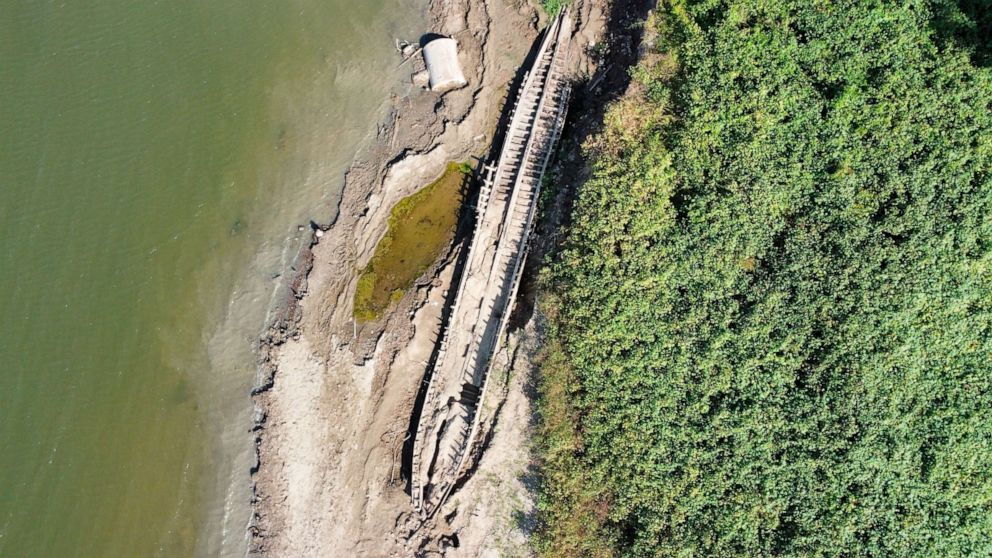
(552, 7)
(421, 226)
(771, 324)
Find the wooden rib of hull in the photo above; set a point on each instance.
(505, 212)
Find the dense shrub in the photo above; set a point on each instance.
(772, 327)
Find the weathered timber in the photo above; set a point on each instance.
(448, 424)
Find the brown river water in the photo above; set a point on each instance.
(156, 159)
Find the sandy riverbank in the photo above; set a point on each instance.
(335, 399)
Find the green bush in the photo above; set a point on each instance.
(552, 7)
(772, 327)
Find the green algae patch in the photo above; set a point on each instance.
(421, 226)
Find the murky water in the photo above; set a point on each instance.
(155, 161)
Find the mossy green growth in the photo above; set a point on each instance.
(552, 7)
(420, 227)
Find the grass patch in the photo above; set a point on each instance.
(420, 227)
(552, 7)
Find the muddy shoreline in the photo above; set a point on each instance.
(333, 398)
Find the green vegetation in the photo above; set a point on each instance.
(771, 324)
(552, 7)
(421, 226)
